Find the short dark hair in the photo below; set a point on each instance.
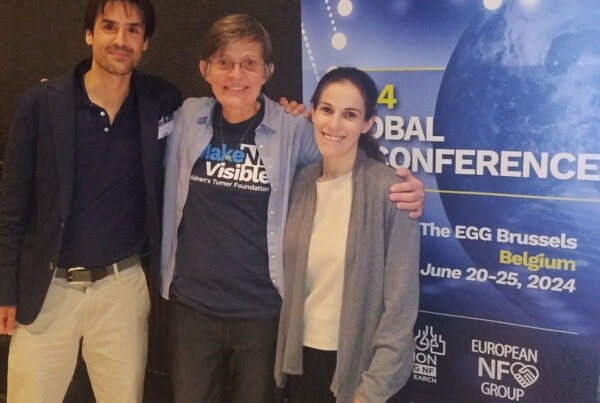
(96, 7)
(235, 27)
(365, 84)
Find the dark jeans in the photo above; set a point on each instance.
(215, 360)
(313, 386)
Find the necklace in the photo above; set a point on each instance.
(228, 156)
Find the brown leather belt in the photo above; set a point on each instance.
(91, 274)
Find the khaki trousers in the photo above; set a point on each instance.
(109, 318)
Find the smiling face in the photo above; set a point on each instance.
(339, 120)
(236, 88)
(118, 38)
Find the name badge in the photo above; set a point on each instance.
(165, 126)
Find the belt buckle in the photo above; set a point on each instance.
(78, 275)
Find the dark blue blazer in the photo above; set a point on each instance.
(37, 183)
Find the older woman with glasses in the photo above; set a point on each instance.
(229, 168)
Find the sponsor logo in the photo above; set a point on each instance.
(506, 370)
(429, 346)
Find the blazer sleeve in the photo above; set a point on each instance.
(394, 342)
(17, 193)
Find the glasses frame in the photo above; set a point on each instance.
(233, 64)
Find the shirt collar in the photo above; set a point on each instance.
(81, 96)
(266, 126)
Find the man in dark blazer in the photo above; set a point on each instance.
(80, 201)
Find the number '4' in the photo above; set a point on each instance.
(387, 96)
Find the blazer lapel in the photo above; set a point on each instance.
(62, 121)
(148, 115)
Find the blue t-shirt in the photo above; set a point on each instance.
(221, 265)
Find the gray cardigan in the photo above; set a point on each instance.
(381, 286)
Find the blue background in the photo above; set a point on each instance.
(523, 77)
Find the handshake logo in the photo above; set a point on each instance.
(498, 362)
(429, 346)
(525, 375)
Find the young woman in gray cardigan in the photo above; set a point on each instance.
(351, 261)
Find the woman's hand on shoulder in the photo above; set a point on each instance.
(294, 107)
(408, 195)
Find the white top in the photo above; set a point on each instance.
(326, 261)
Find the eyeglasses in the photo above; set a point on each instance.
(248, 64)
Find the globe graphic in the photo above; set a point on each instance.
(528, 79)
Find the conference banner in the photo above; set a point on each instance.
(495, 106)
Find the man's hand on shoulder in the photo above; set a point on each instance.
(294, 107)
(7, 319)
(408, 195)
